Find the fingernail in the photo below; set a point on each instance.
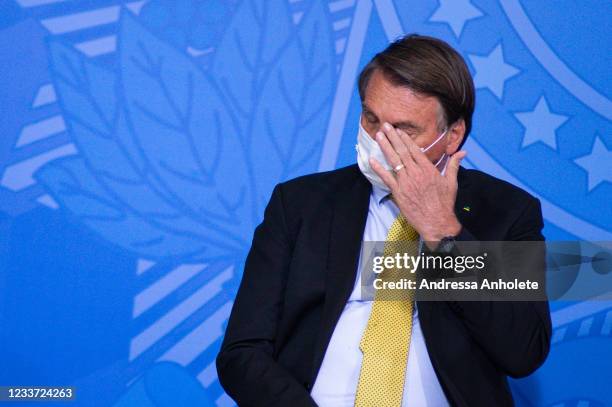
(388, 126)
(379, 136)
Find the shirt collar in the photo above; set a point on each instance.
(379, 194)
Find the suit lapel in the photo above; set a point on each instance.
(463, 203)
(350, 211)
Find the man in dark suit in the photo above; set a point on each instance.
(293, 337)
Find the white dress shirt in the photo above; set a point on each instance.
(336, 382)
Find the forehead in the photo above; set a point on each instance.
(392, 103)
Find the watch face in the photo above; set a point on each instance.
(446, 244)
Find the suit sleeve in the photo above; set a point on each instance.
(514, 334)
(245, 364)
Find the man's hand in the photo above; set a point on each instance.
(423, 195)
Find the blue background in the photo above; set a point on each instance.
(140, 140)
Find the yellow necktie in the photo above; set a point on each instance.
(386, 340)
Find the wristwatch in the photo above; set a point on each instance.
(446, 245)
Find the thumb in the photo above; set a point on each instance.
(453, 165)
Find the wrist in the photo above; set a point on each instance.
(448, 229)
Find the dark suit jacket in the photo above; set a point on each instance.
(300, 272)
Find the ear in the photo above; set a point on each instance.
(456, 132)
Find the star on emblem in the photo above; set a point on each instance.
(492, 71)
(597, 164)
(540, 124)
(455, 13)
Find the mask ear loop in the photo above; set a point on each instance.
(436, 141)
(433, 144)
(440, 160)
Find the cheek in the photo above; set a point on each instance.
(372, 129)
(434, 153)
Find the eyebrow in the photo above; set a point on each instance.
(406, 124)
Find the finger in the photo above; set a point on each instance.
(420, 159)
(402, 174)
(410, 170)
(453, 165)
(396, 141)
(385, 175)
(417, 155)
(389, 152)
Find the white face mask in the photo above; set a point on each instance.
(367, 147)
